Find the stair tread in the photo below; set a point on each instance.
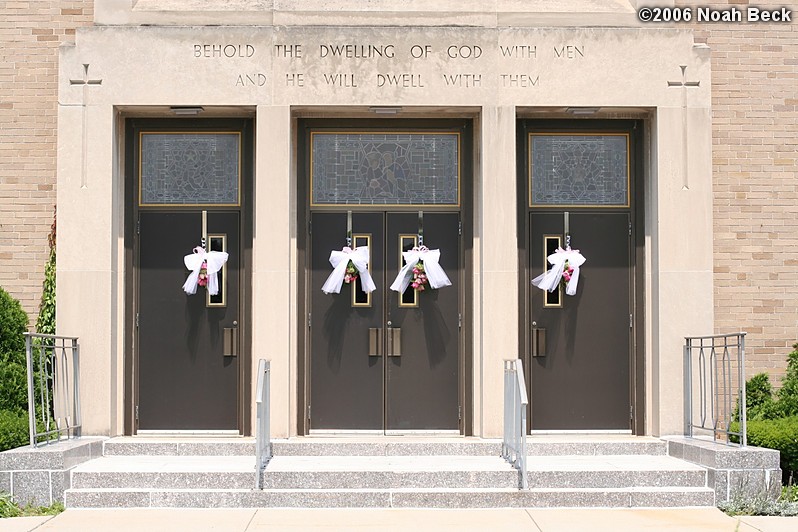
(399, 464)
(648, 489)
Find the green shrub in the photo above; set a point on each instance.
(759, 398)
(13, 325)
(9, 508)
(779, 434)
(788, 393)
(13, 387)
(14, 429)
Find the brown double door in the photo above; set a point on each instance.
(384, 362)
(580, 346)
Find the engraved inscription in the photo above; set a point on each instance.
(463, 80)
(295, 79)
(224, 50)
(388, 56)
(520, 80)
(357, 51)
(251, 80)
(288, 50)
(524, 51)
(464, 51)
(340, 80)
(405, 80)
(418, 51)
(569, 51)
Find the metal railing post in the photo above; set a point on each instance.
(742, 394)
(31, 393)
(263, 445)
(515, 405)
(58, 378)
(716, 385)
(688, 388)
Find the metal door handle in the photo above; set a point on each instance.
(538, 341)
(394, 342)
(375, 342)
(231, 341)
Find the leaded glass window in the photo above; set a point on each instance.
(190, 169)
(385, 169)
(579, 170)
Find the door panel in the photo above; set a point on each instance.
(346, 383)
(583, 381)
(185, 381)
(422, 382)
(355, 384)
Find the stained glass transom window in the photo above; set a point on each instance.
(575, 170)
(190, 169)
(385, 169)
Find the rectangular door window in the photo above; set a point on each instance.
(385, 168)
(576, 170)
(189, 169)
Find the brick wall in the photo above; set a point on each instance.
(755, 180)
(30, 33)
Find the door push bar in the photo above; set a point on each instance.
(375, 342)
(231, 341)
(538, 340)
(394, 342)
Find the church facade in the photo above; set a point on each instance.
(217, 166)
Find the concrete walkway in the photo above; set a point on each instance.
(533, 520)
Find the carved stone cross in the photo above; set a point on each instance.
(685, 145)
(85, 82)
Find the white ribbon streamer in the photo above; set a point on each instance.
(340, 260)
(551, 278)
(214, 261)
(435, 275)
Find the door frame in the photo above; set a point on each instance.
(307, 125)
(132, 126)
(635, 130)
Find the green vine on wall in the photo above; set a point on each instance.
(45, 322)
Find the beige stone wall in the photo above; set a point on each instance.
(30, 33)
(755, 183)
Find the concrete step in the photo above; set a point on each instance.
(387, 472)
(295, 472)
(176, 446)
(594, 445)
(607, 471)
(537, 445)
(399, 498)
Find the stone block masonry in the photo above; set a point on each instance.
(40, 475)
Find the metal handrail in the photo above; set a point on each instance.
(720, 363)
(263, 443)
(57, 375)
(515, 428)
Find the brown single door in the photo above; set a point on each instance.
(384, 362)
(188, 379)
(580, 367)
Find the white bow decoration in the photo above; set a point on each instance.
(435, 275)
(551, 278)
(340, 260)
(214, 260)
